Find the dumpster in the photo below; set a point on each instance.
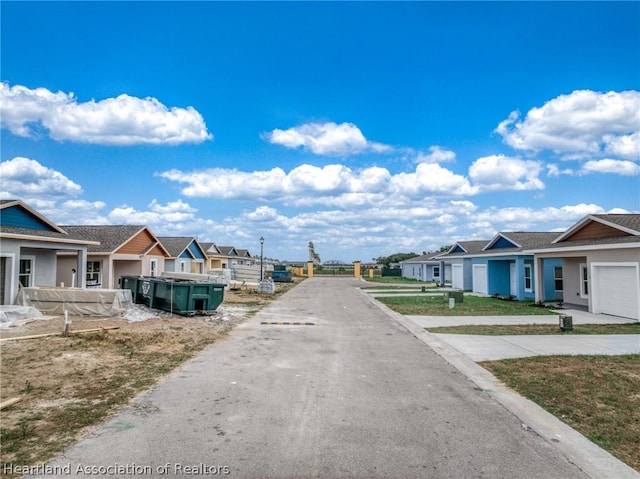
(282, 276)
(186, 298)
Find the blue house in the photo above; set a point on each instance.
(186, 254)
(503, 267)
(29, 244)
(458, 259)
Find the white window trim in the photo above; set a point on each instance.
(31, 258)
(530, 276)
(153, 267)
(555, 278)
(582, 268)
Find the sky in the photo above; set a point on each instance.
(367, 128)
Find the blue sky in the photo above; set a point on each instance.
(369, 128)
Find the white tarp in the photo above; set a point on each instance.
(77, 302)
(11, 314)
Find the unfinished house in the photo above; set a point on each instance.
(122, 250)
(29, 244)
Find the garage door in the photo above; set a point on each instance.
(457, 279)
(480, 278)
(615, 290)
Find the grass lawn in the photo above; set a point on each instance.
(471, 306)
(599, 396)
(518, 329)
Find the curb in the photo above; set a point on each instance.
(587, 456)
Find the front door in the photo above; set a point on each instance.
(513, 280)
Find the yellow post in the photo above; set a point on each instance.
(310, 269)
(356, 269)
(370, 272)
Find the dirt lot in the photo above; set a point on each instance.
(68, 384)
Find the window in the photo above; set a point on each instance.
(584, 281)
(528, 286)
(154, 267)
(94, 276)
(26, 272)
(436, 271)
(183, 266)
(557, 278)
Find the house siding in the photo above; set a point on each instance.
(595, 230)
(139, 244)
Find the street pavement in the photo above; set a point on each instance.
(361, 393)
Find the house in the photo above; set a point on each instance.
(423, 268)
(215, 258)
(186, 254)
(506, 268)
(121, 250)
(458, 260)
(28, 246)
(600, 256)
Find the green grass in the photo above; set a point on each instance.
(596, 395)
(519, 329)
(471, 306)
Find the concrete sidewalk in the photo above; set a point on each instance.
(488, 348)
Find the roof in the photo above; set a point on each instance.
(28, 224)
(110, 237)
(514, 242)
(228, 250)
(425, 258)
(176, 245)
(628, 224)
(467, 247)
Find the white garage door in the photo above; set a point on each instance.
(457, 279)
(615, 290)
(480, 278)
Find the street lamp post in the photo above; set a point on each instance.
(261, 253)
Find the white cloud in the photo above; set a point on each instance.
(430, 179)
(24, 178)
(328, 139)
(124, 120)
(499, 173)
(436, 155)
(584, 122)
(618, 167)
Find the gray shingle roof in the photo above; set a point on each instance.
(630, 221)
(175, 245)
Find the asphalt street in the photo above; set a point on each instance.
(354, 395)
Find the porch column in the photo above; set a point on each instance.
(538, 279)
(81, 269)
(442, 275)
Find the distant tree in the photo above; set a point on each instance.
(313, 256)
(394, 258)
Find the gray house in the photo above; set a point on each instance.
(29, 243)
(423, 268)
(600, 257)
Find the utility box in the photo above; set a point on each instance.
(566, 322)
(186, 298)
(455, 294)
